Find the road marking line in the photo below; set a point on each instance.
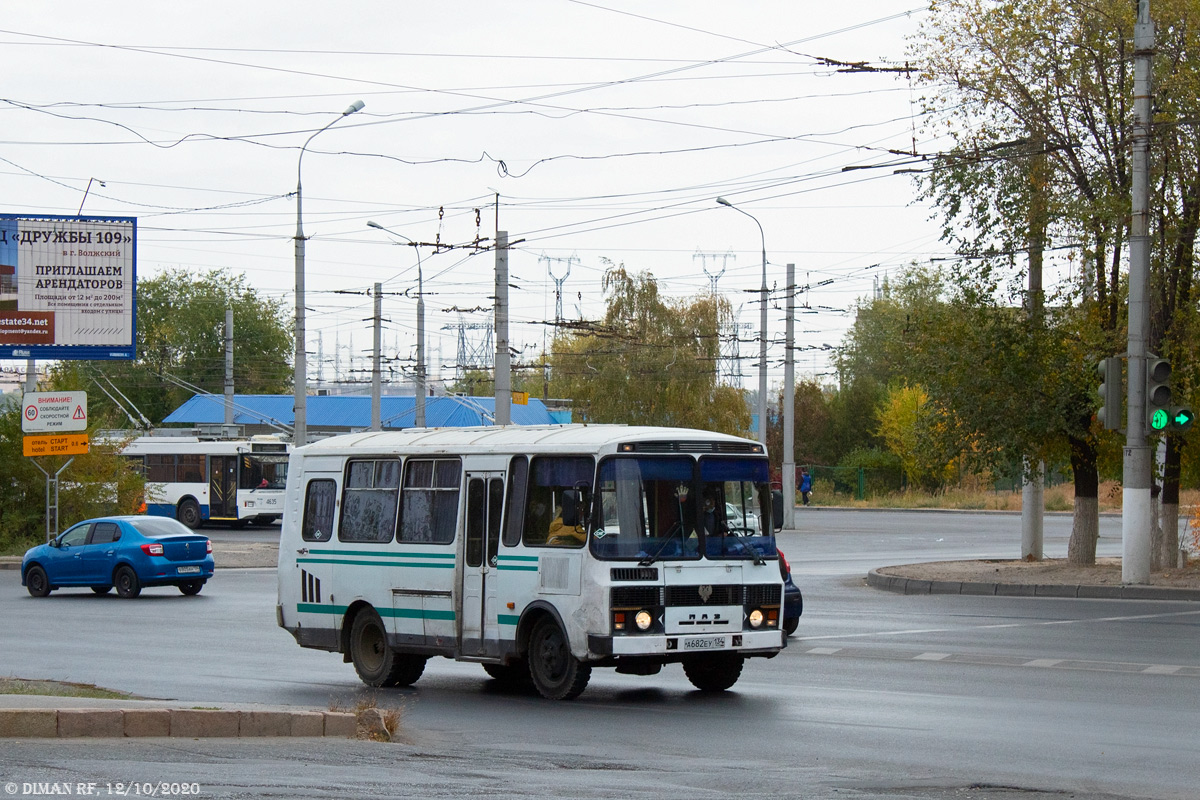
(1161, 669)
(824, 651)
(1041, 623)
(931, 656)
(1043, 662)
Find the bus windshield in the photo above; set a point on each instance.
(263, 471)
(649, 509)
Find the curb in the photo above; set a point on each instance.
(900, 585)
(191, 723)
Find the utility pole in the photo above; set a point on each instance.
(1136, 507)
(420, 394)
(1033, 483)
(789, 405)
(503, 364)
(228, 372)
(376, 387)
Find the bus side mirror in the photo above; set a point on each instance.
(776, 510)
(570, 508)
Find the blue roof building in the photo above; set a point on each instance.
(333, 414)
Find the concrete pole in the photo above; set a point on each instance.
(300, 367)
(762, 348)
(1136, 510)
(1033, 504)
(503, 363)
(376, 388)
(31, 375)
(228, 369)
(420, 398)
(789, 406)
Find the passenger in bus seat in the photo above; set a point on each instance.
(561, 535)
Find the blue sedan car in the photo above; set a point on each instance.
(127, 553)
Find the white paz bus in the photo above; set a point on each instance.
(195, 480)
(539, 552)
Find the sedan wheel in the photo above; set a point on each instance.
(101, 589)
(191, 587)
(126, 581)
(36, 581)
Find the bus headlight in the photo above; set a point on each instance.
(643, 620)
(756, 618)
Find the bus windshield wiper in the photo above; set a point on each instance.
(648, 560)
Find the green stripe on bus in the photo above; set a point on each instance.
(399, 613)
(507, 619)
(516, 569)
(314, 608)
(519, 558)
(368, 554)
(372, 563)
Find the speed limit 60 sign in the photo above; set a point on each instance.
(54, 412)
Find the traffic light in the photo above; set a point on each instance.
(1181, 419)
(1111, 392)
(1158, 394)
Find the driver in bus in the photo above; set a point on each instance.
(711, 518)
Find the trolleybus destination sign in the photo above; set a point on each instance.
(67, 286)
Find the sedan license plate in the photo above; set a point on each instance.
(189, 570)
(710, 643)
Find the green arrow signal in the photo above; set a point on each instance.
(1159, 420)
(1182, 418)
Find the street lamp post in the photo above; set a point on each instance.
(300, 378)
(762, 328)
(420, 390)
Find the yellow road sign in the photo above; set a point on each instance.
(65, 444)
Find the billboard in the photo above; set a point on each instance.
(67, 286)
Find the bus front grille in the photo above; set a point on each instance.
(634, 573)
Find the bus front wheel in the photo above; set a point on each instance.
(715, 672)
(189, 514)
(556, 674)
(374, 661)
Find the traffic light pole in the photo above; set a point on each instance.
(1136, 507)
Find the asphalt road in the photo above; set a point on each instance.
(878, 695)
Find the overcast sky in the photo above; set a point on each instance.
(593, 131)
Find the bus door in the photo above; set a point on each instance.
(479, 633)
(222, 488)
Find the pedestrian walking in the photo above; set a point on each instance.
(805, 485)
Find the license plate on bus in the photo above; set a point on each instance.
(709, 643)
(189, 570)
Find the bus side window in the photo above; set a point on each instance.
(191, 469)
(554, 478)
(160, 468)
(429, 513)
(319, 500)
(518, 478)
(369, 500)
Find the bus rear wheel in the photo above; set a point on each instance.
(556, 674)
(715, 672)
(374, 661)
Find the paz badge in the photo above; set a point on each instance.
(705, 592)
